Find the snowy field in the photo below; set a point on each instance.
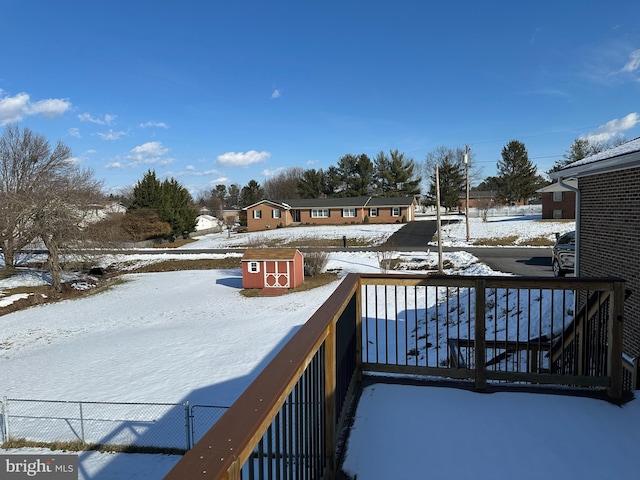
(191, 336)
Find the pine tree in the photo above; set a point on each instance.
(518, 175)
(251, 193)
(170, 200)
(356, 173)
(395, 176)
(312, 184)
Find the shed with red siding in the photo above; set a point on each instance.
(272, 268)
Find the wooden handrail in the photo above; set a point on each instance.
(223, 450)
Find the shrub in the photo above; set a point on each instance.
(315, 261)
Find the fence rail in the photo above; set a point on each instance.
(156, 426)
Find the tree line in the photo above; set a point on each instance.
(46, 197)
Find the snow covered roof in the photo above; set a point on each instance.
(556, 187)
(621, 157)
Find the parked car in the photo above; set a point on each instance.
(563, 254)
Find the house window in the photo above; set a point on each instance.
(254, 267)
(395, 211)
(319, 213)
(257, 214)
(373, 212)
(557, 214)
(348, 212)
(275, 213)
(557, 196)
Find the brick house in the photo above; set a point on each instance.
(267, 214)
(608, 225)
(558, 201)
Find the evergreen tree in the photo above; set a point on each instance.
(312, 184)
(356, 173)
(177, 207)
(452, 175)
(146, 193)
(581, 148)
(170, 200)
(333, 182)
(233, 196)
(518, 175)
(251, 193)
(395, 176)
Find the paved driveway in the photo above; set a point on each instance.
(526, 261)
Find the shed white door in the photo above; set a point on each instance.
(276, 274)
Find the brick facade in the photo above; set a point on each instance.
(558, 205)
(266, 215)
(610, 239)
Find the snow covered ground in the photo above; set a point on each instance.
(173, 337)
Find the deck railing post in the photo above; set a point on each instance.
(330, 374)
(359, 330)
(480, 329)
(614, 360)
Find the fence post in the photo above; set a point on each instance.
(188, 423)
(480, 328)
(5, 417)
(81, 424)
(614, 360)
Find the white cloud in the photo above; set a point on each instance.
(74, 132)
(271, 172)
(634, 62)
(275, 94)
(154, 124)
(107, 120)
(242, 159)
(613, 128)
(114, 164)
(16, 108)
(111, 135)
(150, 152)
(49, 108)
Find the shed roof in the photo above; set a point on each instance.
(253, 254)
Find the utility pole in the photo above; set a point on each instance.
(440, 262)
(466, 165)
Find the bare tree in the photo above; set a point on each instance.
(44, 195)
(283, 185)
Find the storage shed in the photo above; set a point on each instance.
(264, 268)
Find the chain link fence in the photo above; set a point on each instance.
(153, 426)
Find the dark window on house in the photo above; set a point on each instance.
(557, 196)
(276, 213)
(257, 214)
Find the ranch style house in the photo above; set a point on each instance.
(267, 214)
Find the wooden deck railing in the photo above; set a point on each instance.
(288, 422)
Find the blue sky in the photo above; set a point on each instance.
(229, 91)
